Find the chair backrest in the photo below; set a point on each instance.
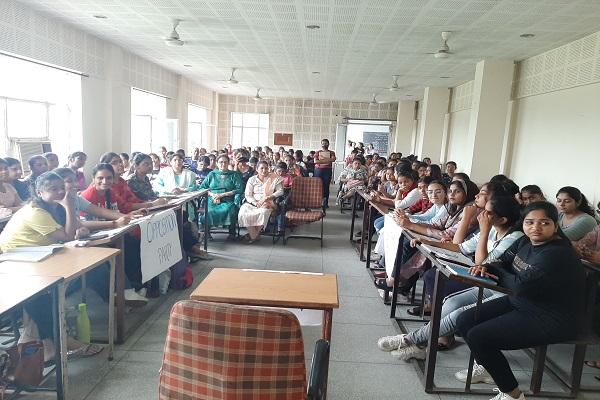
(307, 193)
(220, 351)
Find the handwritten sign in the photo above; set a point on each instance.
(160, 247)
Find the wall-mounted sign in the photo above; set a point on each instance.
(283, 139)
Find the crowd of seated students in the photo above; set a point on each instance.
(529, 245)
(55, 204)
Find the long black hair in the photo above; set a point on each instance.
(582, 202)
(507, 207)
(57, 212)
(435, 172)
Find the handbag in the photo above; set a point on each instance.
(26, 363)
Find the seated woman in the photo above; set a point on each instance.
(535, 269)
(245, 170)
(202, 169)
(434, 171)
(9, 198)
(100, 194)
(15, 173)
(498, 226)
(407, 194)
(261, 191)
(50, 218)
(155, 166)
(281, 170)
(576, 216)
(225, 189)
(388, 184)
(530, 194)
(121, 188)
(445, 223)
(76, 161)
(353, 178)
(138, 181)
(174, 180)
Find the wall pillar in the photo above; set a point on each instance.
(405, 123)
(431, 131)
(487, 128)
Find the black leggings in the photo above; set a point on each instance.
(500, 326)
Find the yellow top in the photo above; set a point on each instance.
(30, 226)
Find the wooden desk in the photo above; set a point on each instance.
(368, 220)
(70, 263)
(272, 289)
(16, 289)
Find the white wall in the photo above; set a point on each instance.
(458, 133)
(557, 140)
(106, 93)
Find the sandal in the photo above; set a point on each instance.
(445, 342)
(382, 284)
(592, 364)
(380, 275)
(87, 350)
(416, 311)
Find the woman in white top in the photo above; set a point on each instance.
(261, 190)
(175, 180)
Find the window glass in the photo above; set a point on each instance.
(249, 129)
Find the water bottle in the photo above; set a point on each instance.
(83, 324)
(164, 278)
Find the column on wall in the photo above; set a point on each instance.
(491, 95)
(405, 123)
(430, 136)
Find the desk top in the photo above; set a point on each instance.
(382, 208)
(269, 288)
(16, 289)
(68, 263)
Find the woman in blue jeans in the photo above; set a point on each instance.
(546, 278)
(324, 160)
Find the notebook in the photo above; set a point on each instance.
(449, 255)
(31, 254)
(464, 271)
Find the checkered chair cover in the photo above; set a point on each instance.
(227, 352)
(306, 193)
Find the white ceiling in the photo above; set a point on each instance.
(360, 45)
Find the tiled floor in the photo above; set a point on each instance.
(357, 369)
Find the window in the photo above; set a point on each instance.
(38, 105)
(150, 127)
(197, 127)
(248, 129)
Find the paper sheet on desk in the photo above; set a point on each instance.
(391, 238)
(449, 254)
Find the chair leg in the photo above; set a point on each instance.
(577, 368)
(321, 232)
(538, 369)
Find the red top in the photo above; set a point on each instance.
(331, 156)
(102, 200)
(420, 206)
(122, 189)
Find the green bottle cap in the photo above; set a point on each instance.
(82, 307)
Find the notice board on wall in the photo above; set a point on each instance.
(380, 141)
(283, 139)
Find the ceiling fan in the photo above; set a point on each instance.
(232, 80)
(444, 50)
(175, 40)
(258, 97)
(375, 102)
(394, 87)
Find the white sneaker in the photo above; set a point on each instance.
(480, 375)
(406, 353)
(389, 343)
(506, 396)
(133, 298)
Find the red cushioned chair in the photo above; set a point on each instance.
(217, 351)
(305, 206)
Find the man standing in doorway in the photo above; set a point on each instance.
(324, 160)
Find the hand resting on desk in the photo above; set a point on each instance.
(480, 270)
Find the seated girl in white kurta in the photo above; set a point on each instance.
(261, 190)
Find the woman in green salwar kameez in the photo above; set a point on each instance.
(225, 190)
